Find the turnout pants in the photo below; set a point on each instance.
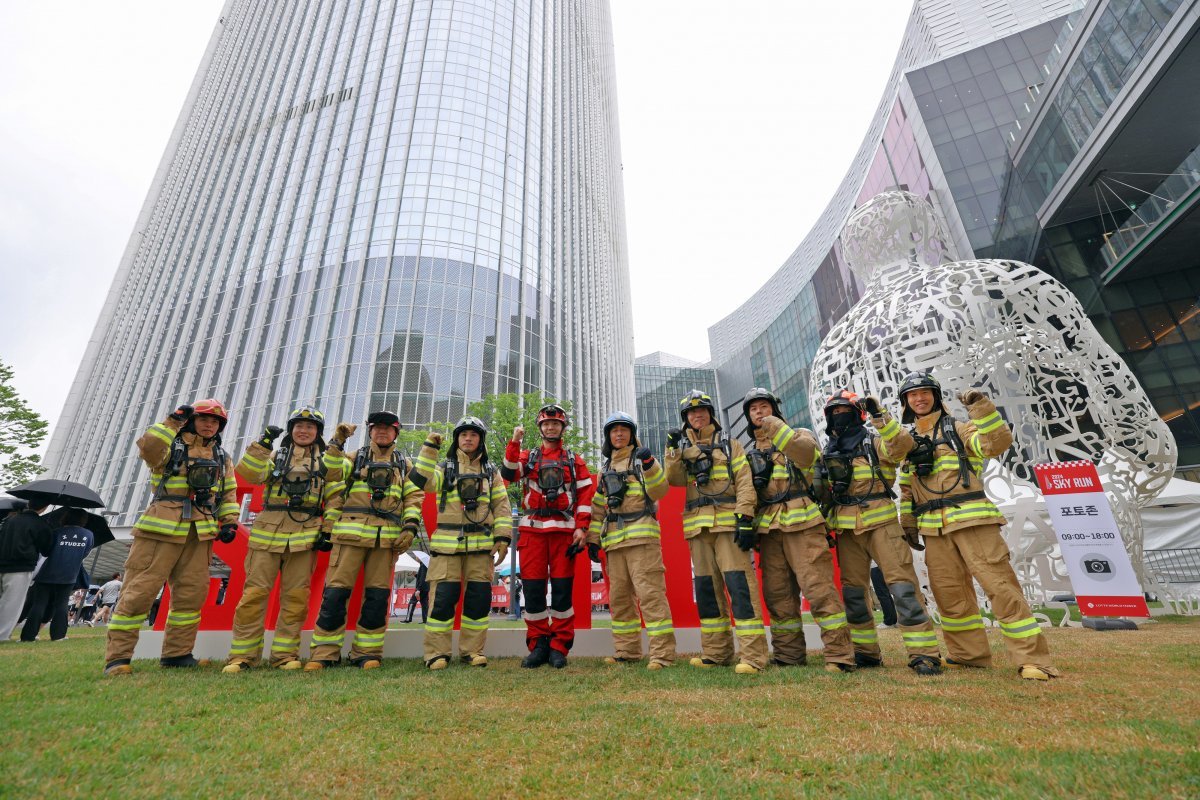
(979, 552)
(329, 633)
(718, 567)
(183, 567)
(447, 576)
(543, 557)
(294, 570)
(636, 581)
(887, 548)
(801, 562)
(47, 600)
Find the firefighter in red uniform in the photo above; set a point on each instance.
(557, 504)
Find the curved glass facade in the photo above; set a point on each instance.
(372, 204)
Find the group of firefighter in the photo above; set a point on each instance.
(785, 496)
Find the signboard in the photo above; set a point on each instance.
(1103, 579)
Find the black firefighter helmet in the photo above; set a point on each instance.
(919, 380)
(759, 393)
(614, 419)
(469, 424)
(698, 399)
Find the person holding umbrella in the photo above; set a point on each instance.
(58, 576)
(194, 502)
(24, 536)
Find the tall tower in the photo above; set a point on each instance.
(370, 204)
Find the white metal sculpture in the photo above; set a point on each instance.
(1017, 334)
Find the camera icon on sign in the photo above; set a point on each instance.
(1097, 566)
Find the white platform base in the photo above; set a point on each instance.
(407, 642)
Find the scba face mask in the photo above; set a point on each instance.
(761, 467)
(470, 489)
(296, 488)
(701, 467)
(202, 476)
(379, 479)
(615, 487)
(551, 479)
(922, 455)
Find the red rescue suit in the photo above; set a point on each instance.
(546, 527)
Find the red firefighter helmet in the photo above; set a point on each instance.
(552, 411)
(846, 398)
(212, 408)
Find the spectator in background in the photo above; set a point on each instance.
(109, 593)
(76, 606)
(89, 605)
(54, 581)
(24, 536)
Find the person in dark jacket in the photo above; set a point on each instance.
(23, 537)
(59, 573)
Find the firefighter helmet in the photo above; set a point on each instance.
(759, 393)
(614, 419)
(469, 424)
(307, 414)
(552, 411)
(383, 418)
(698, 399)
(212, 408)
(919, 380)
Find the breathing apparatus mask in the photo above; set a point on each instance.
(922, 455)
(839, 471)
(701, 467)
(470, 489)
(614, 486)
(202, 477)
(296, 489)
(761, 467)
(551, 480)
(379, 479)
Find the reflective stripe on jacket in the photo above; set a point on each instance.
(493, 513)
(163, 519)
(985, 436)
(719, 517)
(276, 530)
(401, 502)
(799, 446)
(891, 446)
(619, 532)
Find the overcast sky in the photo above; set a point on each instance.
(736, 128)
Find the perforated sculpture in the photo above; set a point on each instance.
(1012, 331)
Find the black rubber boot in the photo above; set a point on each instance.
(539, 655)
(187, 660)
(925, 665)
(558, 659)
(779, 663)
(867, 661)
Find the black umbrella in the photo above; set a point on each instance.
(98, 525)
(55, 492)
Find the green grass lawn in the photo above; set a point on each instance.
(1122, 722)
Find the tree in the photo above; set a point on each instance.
(21, 430)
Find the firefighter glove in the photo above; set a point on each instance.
(970, 396)
(269, 435)
(227, 533)
(341, 433)
(594, 552)
(499, 551)
(914, 541)
(405, 540)
(745, 536)
(324, 542)
(871, 405)
(673, 437)
(434, 440)
(574, 549)
(182, 414)
(644, 455)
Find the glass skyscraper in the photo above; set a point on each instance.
(370, 205)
